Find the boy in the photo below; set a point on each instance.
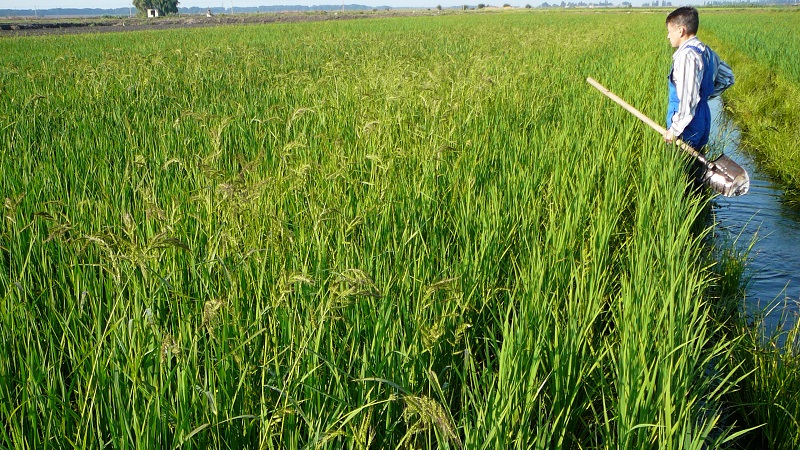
(697, 74)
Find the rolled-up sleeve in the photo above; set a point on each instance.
(724, 78)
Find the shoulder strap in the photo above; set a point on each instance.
(697, 49)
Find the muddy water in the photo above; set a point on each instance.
(763, 217)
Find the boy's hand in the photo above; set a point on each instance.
(669, 137)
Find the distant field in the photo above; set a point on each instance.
(769, 37)
(389, 233)
(79, 25)
(766, 47)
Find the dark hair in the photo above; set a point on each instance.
(685, 16)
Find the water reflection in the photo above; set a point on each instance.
(774, 261)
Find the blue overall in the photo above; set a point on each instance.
(696, 133)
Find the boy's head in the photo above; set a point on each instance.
(682, 24)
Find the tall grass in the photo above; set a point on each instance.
(761, 48)
(418, 232)
(766, 93)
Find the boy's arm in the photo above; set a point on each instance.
(687, 76)
(724, 78)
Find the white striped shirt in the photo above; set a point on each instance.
(687, 74)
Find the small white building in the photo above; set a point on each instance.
(153, 13)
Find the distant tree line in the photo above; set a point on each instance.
(749, 2)
(164, 6)
(64, 12)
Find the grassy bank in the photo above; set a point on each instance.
(764, 101)
(424, 232)
(764, 105)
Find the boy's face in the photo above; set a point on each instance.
(675, 34)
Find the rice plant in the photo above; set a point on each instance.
(764, 47)
(391, 233)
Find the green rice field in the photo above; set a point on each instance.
(765, 45)
(419, 232)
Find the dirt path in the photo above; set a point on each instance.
(33, 27)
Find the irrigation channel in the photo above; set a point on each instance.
(763, 218)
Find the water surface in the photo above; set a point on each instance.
(763, 217)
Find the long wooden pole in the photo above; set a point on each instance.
(688, 148)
